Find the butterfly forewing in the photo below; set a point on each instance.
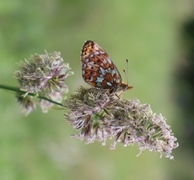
(98, 69)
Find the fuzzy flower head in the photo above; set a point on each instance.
(42, 76)
(100, 115)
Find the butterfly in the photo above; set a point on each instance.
(98, 69)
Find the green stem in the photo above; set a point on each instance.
(14, 89)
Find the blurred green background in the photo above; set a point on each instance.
(148, 33)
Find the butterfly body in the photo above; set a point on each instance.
(98, 69)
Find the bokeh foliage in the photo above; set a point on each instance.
(146, 32)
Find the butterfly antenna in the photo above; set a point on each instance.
(126, 72)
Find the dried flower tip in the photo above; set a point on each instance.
(26, 103)
(46, 105)
(100, 115)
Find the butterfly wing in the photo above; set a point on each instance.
(98, 69)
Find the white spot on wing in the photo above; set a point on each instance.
(109, 60)
(96, 53)
(104, 61)
(84, 66)
(87, 60)
(103, 72)
(113, 72)
(109, 84)
(99, 79)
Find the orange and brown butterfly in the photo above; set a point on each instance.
(98, 70)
